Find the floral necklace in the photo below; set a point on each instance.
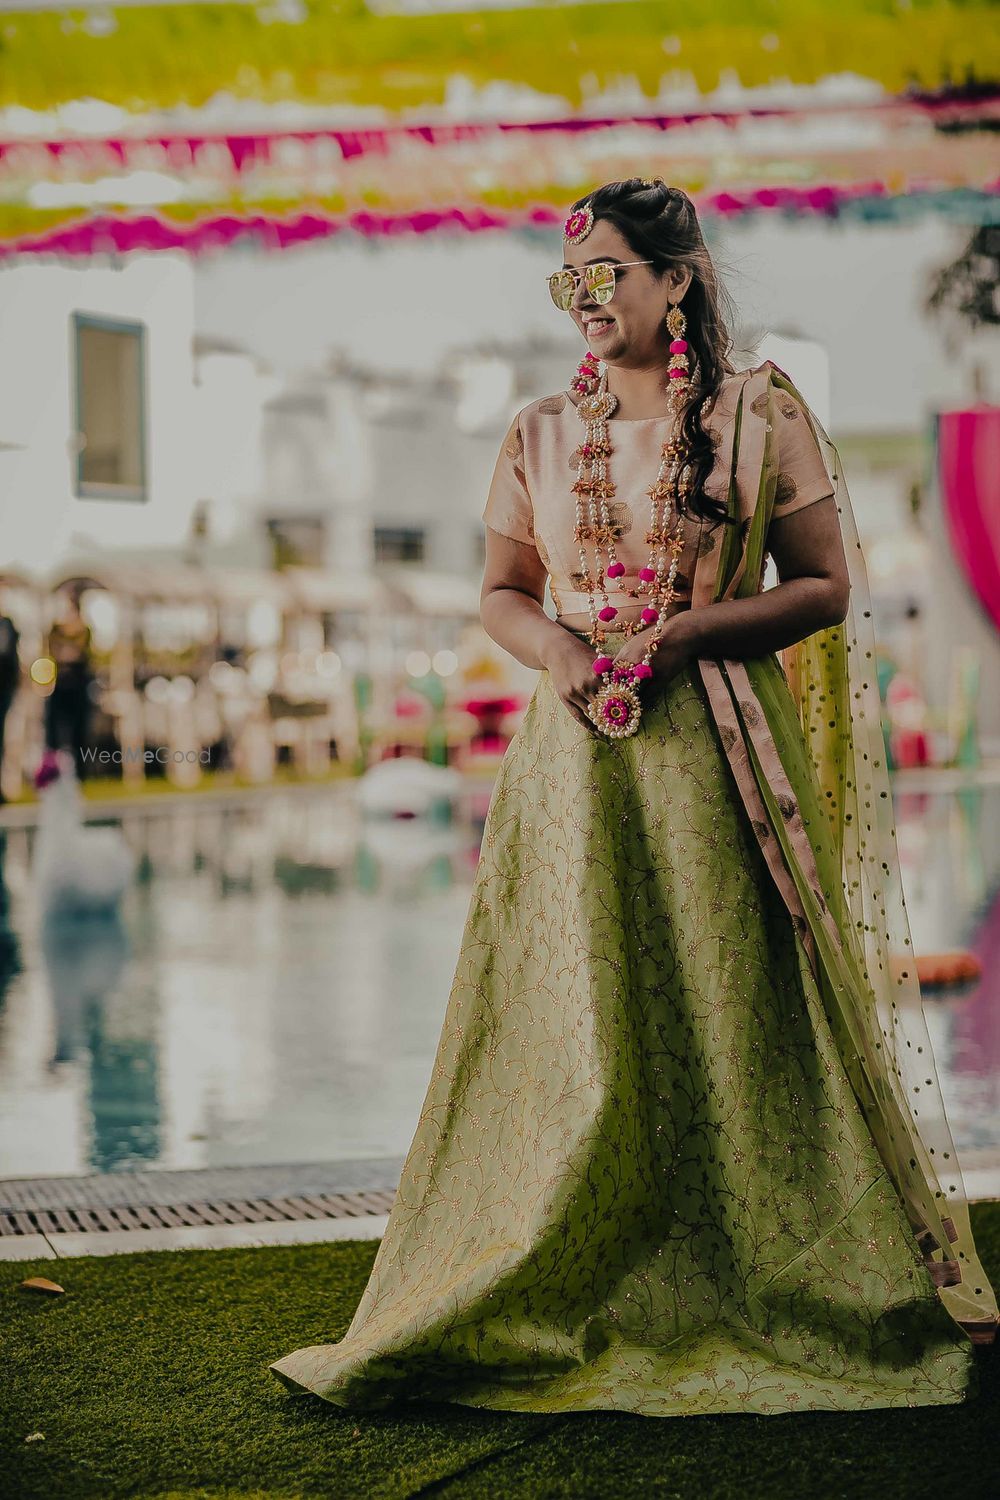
(616, 708)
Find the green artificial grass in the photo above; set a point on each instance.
(149, 1378)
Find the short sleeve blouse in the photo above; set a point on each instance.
(508, 504)
(530, 494)
(802, 472)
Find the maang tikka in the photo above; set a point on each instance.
(579, 224)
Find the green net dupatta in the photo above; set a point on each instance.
(804, 742)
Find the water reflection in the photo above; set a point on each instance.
(10, 948)
(83, 962)
(274, 988)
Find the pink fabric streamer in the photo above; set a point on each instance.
(122, 234)
(969, 465)
(246, 149)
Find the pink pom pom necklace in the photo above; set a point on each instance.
(616, 708)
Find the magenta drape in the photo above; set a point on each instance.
(968, 444)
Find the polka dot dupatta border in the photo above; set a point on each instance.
(804, 742)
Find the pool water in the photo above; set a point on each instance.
(275, 986)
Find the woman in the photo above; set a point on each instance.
(67, 708)
(668, 1160)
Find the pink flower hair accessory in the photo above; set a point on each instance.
(579, 224)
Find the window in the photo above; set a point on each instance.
(297, 541)
(399, 544)
(110, 408)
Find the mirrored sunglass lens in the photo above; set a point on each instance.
(600, 282)
(561, 288)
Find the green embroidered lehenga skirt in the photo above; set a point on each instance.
(640, 1180)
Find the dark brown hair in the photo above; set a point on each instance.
(661, 225)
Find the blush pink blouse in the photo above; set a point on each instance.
(530, 496)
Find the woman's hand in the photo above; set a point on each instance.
(570, 665)
(673, 652)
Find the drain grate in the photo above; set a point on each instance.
(103, 1217)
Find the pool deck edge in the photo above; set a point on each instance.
(212, 1237)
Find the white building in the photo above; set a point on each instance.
(105, 351)
(124, 428)
(343, 405)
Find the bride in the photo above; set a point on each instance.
(683, 1149)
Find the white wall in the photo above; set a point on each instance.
(857, 289)
(41, 520)
(228, 446)
(318, 457)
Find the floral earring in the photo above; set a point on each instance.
(678, 371)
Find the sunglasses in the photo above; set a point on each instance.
(599, 280)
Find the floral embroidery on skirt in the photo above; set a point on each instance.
(640, 1180)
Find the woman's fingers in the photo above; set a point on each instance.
(577, 700)
(579, 712)
(583, 716)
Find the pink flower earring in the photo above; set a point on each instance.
(678, 372)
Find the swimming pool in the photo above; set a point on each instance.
(276, 985)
